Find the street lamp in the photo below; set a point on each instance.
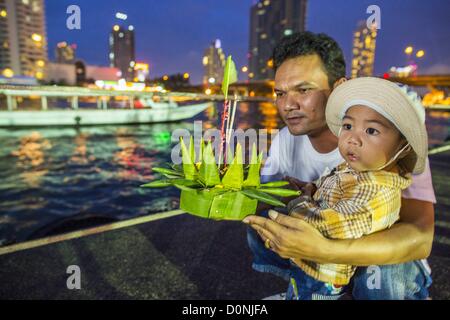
(420, 54)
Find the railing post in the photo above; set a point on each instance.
(44, 103)
(104, 103)
(10, 102)
(75, 102)
(131, 102)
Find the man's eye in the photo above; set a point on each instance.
(346, 126)
(372, 131)
(304, 90)
(279, 94)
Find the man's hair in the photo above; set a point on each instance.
(308, 43)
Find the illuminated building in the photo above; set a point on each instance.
(270, 21)
(214, 62)
(65, 53)
(23, 39)
(364, 44)
(78, 73)
(122, 50)
(141, 71)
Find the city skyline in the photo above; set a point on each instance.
(172, 38)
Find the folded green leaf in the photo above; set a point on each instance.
(190, 172)
(178, 168)
(208, 173)
(184, 188)
(263, 197)
(168, 172)
(281, 192)
(274, 184)
(234, 177)
(185, 182)
(158, 184)
(253, 177)
(229, 76)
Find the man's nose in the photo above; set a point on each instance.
(292, 102)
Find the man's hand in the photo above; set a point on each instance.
(307, 188)
(289, 237)
(295, 183)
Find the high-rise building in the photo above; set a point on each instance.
(364, 44)
(270, 21)
(23, 39)
(65, 53)
(122, 50)
(214, 62)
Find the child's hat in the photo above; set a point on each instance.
(403, 109)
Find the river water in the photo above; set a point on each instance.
(55, 180)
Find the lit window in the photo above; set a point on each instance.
(36, 37)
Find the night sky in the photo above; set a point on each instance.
(172, 35)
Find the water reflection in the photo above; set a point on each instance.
(31, 158)
(80, 153)
(131, 157)
(269, 111)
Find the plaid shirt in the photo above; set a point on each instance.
(347, 205)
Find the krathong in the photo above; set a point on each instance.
(221, 190)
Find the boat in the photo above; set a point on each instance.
(142, 108)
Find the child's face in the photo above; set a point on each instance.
(368, 140)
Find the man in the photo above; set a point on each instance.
(308, 67)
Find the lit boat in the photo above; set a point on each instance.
(142, 109)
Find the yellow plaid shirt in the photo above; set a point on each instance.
(347, 205)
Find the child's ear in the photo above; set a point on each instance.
(339, 82)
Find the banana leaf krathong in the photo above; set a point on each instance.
(222, 190)
(228, 194)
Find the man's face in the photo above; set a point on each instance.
(302, 90)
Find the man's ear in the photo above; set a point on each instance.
(339, 82)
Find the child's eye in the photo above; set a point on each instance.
(372, 131)
(346, 126)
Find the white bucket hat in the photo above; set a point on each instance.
(391, 101)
